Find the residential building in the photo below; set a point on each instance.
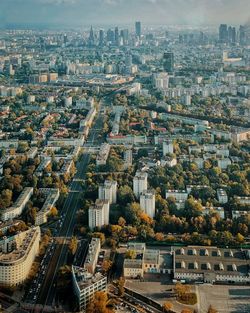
(147, 202)
(102, 157)
(52, 195)
(140, 183)
(17, 254)
(99, 214)
(108, 191)
(222, 196)
(168, 147)
(17, 208)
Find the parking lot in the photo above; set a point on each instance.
(226, 299)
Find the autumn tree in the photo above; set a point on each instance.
(73, 245)
(106, 265)
(99, 303)
(211, 310)
(131, 254)
(167, 307)
(120, 285)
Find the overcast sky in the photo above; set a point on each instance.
(86, 12)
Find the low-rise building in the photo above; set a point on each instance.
(18, 207)
(222, 196)
(211, 265)
(178, 195)
(52, 195)
(102, 157)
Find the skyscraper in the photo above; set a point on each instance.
(223, 33)
(101, 37)
(242, 35)
(91, 37)
(138, 29)
(117, 37)
(110, 36)
(124, 36)
(232, 34)
(168, 62)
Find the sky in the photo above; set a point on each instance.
(70, 13)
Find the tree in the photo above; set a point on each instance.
(125, 195)
(99, 303)
(106, 265)
(121, 221)
(120, 285)
(181, 289)
(131, 254)
(99, 235)
(159, 236)
(239, 238)
(53, 211)
(167, 307)
(211, 310)
(73, 245)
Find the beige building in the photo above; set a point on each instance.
(17, 254)
(211, 264)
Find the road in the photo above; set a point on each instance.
(71, 205)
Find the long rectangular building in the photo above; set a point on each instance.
(211, 265)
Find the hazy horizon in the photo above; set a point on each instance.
(76, 13)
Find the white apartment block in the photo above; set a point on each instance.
(86, 285)
(178, 195)
(161, 81)
(102, 157)
(99, 214)
(140, 183)
(147, 202)
(85, 281)
(108, 191)
(222, 196)
(17, 254)
(17, 208)
(168, 147)
(52, 195)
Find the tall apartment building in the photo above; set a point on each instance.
(168, 62)
(99, 214)
(108, 191)
(147, 202)
(168, 147)
(17, 254)
(140, 183)
(161, 81)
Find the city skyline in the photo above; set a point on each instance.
(76, 13)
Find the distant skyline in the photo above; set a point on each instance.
(75, 13)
